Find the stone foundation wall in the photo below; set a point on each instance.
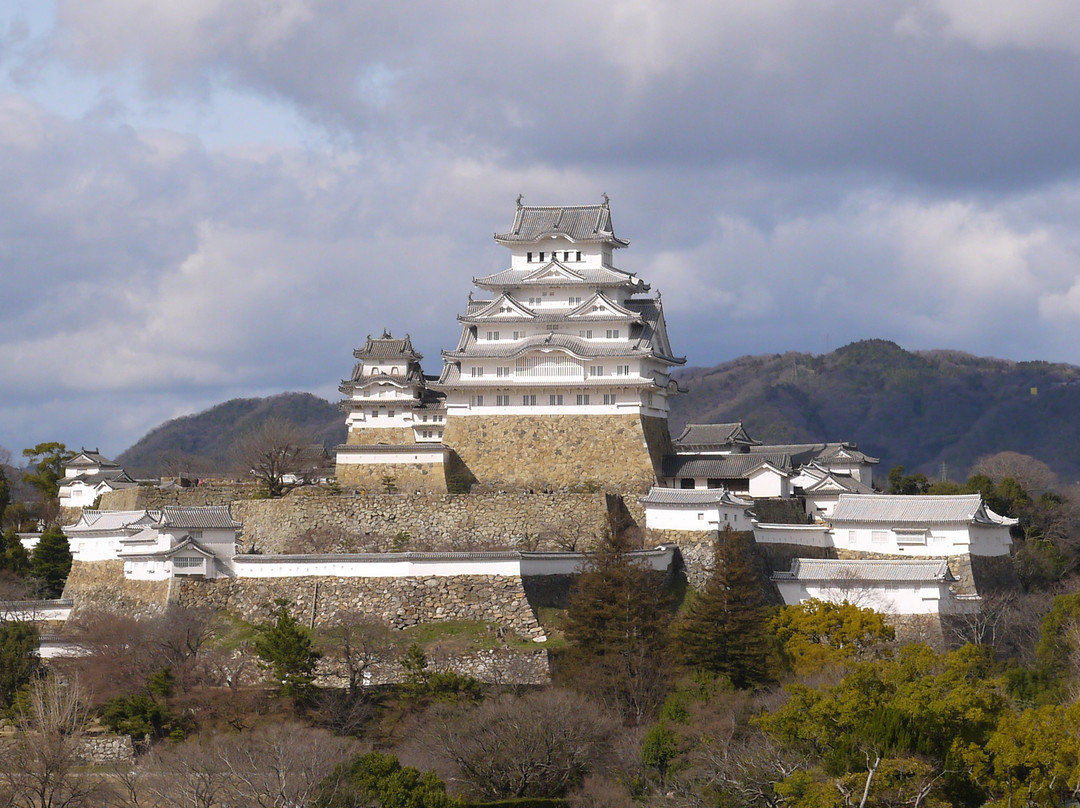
(555, 451)
(132, 499)
(370, 436)
(106, 749)
(398, 602)
(101, 586)
(503, 666)
(426, 478)
(353, 524)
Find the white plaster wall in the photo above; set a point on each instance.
(385, 458)
(94, 548)
(711, 517)
(804, 535)
(769, 484)
(939, 541)
(901, 598)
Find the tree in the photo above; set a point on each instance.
(380, 779)
(617, 627)
(47, 461)
(50, 562)
(5, 485)
(19, 661)
(899, 483)
(815, 633)
(280, 455)
(539, 745)
(284, 648)
(725, 629)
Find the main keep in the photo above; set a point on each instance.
(561, 376)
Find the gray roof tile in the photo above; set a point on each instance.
(872, 571)
(729, 467)
(576, 222)
(207, 516)
(896, 509)
(692, 497)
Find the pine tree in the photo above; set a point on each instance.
(50, 562)
(284, 647)
(725, 631)
(617, 628)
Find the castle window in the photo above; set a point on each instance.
(492, 335)
(555, 400)
(648, 399)
(582, 399)
(566, 256)
(596, 370)
(502, 401)
(541, 258)
(187, 563)
(879, 536)
(609, 398)
(622, 370)
(389, 413)
(534, 301)
(436, 418)
(701, 517)
(502, 372)
(476, 372)
(613, 333)
(374, 413)
(528, 401)
(519, 334)
(575, 301)
(528, 257)
(477, 401)
(579, 255)
(686, 482)
(587, 333)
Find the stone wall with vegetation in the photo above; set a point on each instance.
(404, 477)
(398, 602)
(498, 666)
(555, 451)
(145, 496)
(101, 586)
(315, 521)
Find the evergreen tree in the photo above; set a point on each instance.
(617, 628)
(16, 559)
(50, 562)
(725, 631)
(19, 660)
(5, 493)
(284, 648)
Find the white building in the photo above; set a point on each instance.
(564, 331)
(919, 525)
(693, 510)
(821, 488)
(898, 587)
(88, 475)
(97, 535)
(182, 541)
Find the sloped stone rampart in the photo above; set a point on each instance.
(473, 521)
(101, 586)
(406, 477)
(393, 436)
(503, 666)
(144, 496)
(555, 451)
(398, 602)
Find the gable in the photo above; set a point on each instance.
(553, 272)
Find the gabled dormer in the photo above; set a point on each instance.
(505, 306)
(555, 273)
(602, 307)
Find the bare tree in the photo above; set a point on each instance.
(42, 766)
(280, 455)
(1034, 476)
(539, 745)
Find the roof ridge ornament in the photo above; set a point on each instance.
(606, 199)
(520, 197)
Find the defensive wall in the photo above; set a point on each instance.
(558, 451)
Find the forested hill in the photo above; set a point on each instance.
(915, 409)
(202, 443)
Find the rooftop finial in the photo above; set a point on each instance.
(606, 200)
(520, 197)
(386, 334)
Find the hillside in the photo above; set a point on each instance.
(915, 409)
(201, 443)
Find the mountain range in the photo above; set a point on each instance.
(930, 411)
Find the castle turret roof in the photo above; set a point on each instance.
(575, 222)
(388, 347)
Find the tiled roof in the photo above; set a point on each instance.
(844, 482)
(825, 454)
(208, 516)
(106, 520)
(701, 435)
(850, 572)
(577, 222)
(732, 466)
(691, 497)
(115, 473)
(896, 509)
(85, 458)
(387, 347)
(592, 277)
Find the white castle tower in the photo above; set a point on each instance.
(562, 375)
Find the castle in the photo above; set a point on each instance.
(561, 367)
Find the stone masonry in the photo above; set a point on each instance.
(549, 452)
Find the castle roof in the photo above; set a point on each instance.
(899, 509)
(852, 572)
(388, 347)
(729, 467)
(824, 454)
(691, 497)
(554, 273)
(575, 222)
(87, 459)
(195, 518)
(714, 436)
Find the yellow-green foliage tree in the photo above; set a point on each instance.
(816, 634)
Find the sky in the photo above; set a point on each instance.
(221, 198)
